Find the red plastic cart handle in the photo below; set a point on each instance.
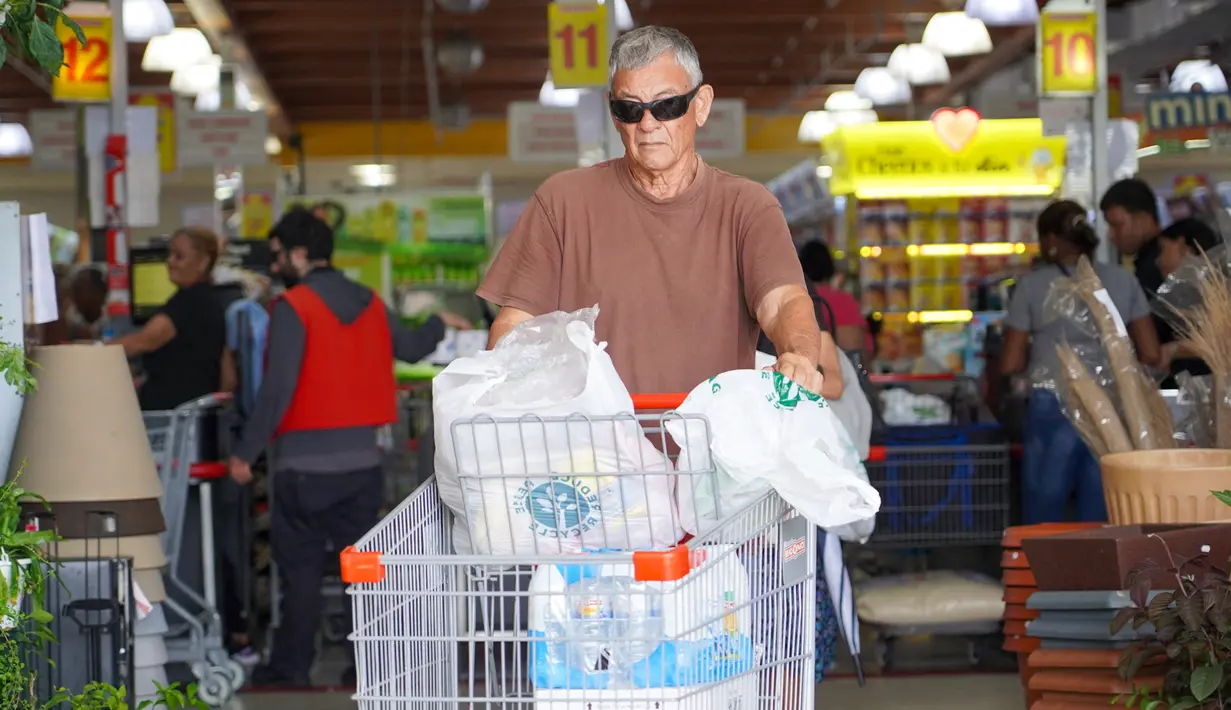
(657, 402)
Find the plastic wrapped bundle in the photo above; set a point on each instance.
(1088, 407)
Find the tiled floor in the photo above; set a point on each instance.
(936, 692)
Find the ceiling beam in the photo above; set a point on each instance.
(1002, 55)
(519, 30)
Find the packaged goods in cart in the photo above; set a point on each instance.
(768, 432)
(522, 483)
(595, 627)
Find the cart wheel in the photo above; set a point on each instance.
(236, 674)
(215, 688)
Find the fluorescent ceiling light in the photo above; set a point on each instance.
(1201, 74)
(374, 174)
(623, 16)
(882, 87)
(15, 141)
(846, 101)
(146, 19)
(919, 64)
(182, 47)
(198, 78)
(955, 34)
(549, 95)
(1003, 13)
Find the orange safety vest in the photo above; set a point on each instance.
(346, 379)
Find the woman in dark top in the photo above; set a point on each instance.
(183, 346)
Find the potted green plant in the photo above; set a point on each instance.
(100, 696)
(1192, 634)
(29, 26)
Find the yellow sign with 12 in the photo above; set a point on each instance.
(86, 75)
(577, 35)
(1067, 53)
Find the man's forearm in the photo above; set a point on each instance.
(795, 330)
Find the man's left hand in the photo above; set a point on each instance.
(800, 370)
(241, 471)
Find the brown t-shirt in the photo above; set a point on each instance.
(677, 281)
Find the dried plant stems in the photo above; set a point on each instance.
(1086, 398)
(1206, 329)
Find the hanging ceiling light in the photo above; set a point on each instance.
(955, 34)
(199, 78)
(846, 101)
(273, 146)
(181, 47)
(882, 87)
(815, 125)
(464, 7)
(623, 16)
(919, 65)
(1003, 13)
(15, 141)
(549, 95)
(146, 19)
(459, 53)
(1198, 75)
(211, 98)
(374, 174)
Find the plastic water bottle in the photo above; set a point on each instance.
(637, 628)
(589, 624)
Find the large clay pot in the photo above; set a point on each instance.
(1166, 486)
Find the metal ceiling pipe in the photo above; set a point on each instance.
(1162, 32)
(215, 22)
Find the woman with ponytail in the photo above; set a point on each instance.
(1056, 465)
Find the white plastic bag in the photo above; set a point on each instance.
(521, 483)
(766, 431)
(853, 409)
(904, 408)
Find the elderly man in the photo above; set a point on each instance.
(686, 262)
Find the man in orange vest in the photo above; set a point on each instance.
(328, 388)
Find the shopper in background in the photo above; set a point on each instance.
(328, 388)
(1182, 240)
(1131, 210)
(87, 292)
(183, 347)
(1056, 465)
(849, 326)
(687, 263)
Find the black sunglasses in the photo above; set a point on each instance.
(668, 109)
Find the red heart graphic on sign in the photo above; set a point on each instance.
(956, 127)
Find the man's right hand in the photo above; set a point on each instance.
(453, 320)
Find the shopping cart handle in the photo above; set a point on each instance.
(658, 402)
(208, 470)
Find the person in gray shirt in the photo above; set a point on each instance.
(328, 388)
(1056, 464)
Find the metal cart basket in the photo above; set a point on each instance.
(725, 620)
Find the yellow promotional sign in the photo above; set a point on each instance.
(954, 155)
(1067, 53)
(577, 35)
(257, 215)
(86, 75)
(165, 101)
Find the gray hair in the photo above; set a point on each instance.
(640, 47)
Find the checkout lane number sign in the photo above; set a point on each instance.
(86, 74)
(577, 35)
(1068, 53)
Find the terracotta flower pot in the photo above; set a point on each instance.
(1166, 486)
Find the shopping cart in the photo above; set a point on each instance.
(945, 484)
(724, 620)
(197, 639)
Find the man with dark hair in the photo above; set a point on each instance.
(88, 295)
(1131, 211)
(332, 345)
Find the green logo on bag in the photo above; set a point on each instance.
(561, 507)
(786, 394)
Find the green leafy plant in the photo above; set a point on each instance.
(101, 696)
(1192, 634)
(16, 367)
(29, 571)
(30, 27)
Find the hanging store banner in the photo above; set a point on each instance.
(1179, 112)
(54, 135)
(165, 102)
(955, 154)
(577, 36)
(86, 74)
(548, 134)
(1067, 53)
(213, 138)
